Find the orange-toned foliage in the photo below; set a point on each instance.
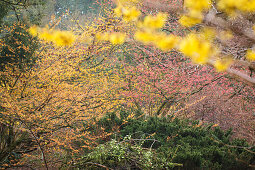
(68, 87)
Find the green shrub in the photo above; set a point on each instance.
(126, 154)
(184, 142)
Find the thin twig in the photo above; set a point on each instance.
(100, 165)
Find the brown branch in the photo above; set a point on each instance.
(32, 133)
(242, 76)
(211, 18)
(97, 164)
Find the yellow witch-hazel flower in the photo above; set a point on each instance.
(102, 36)
(195, 9)
(197, 5)
(33, 31)
(197, 49)
(159, 39)
(191, 19)
(145, 37)
(63, 38)
(166, 42)
(127, 13)
(45, 35)
(154, 22)
(231, 7)
(115, 37)
(250, 55)
(60, 38)
(188, 21)
(222, 64)
(208, 33)
(131, 14)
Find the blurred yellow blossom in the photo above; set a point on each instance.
(166, 42)
(117, 38)
(208, 33)
(60, 38)
(45, 34)
(102, 36)
(33, 30)
(154, 22)
(188, 21)
(222, 64)
(191, 19)
(233, 6)
(118, 10)
(250, 55)
(114, 38)
(131, 14)
(197, 5)
(63, 38)
(197, 49)
(144, 36)
(128, 13)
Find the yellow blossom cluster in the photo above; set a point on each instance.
(195, 12)
(250, 55)
(114, 37)
(153, 22)
(233, 6)
(60, 38)
(159, 39)
(149, 32)
(128, 13)
(197, 46)
(199, 50)
(127, 10)
(222, 64)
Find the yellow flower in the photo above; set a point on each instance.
(33, 30)
(166, 43)
(222, 65)
(188, 45)
(128, 14)
(188, 21)
(118, 10)
(155, 22)
(144, 36)
(231, 6)
(250, 55)
(131, 14)
(195, 48)
(208, 33)
(248, 6)
(63, 38)
(45, 35)
(198, 5)
(192, 18)
(117, 38)
(102, 36)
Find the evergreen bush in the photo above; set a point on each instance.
(182, 142)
